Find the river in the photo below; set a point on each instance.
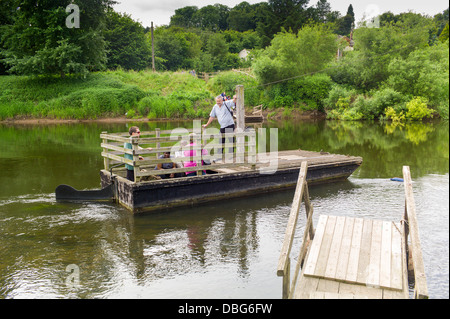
(226, 249)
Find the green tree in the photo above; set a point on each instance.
(366, 67)
(444, 34)
(292, 55)
(346, 23)
(218, 48)
(184, 17)
(175, 48)
(242, 17)
(322, 11)
(288, 14)
(211, 17)
(7, 12)
(39, 41)
(127, 46)
(424, 72)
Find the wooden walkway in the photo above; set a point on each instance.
(347, 257)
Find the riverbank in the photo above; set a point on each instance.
(271, 115)
(143, 96)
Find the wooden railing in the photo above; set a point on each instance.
(283, 269)
(411, 228)
(146, 149)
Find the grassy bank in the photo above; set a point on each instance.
(106, 94)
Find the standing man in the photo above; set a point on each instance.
(222, 111)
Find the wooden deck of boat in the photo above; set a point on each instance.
(353, 258)
(294, 158)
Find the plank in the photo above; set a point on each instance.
(364, 253)
(305, 286)
(385, 258)
(325, 247)
(361, 291)
(315, 246)
(353, 259)
(333, 257)
(396, 265)
(373, 277)
(327, 285)
(344, 254)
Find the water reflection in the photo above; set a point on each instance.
(385, 148)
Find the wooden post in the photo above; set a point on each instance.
(240, 110)
(252, 150)
(240, 123)
(105, 150)
(135, 148)
(153, 50)
(287, 280)
(158, 144)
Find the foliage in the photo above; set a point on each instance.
(37, 40)
(336, 93)
(424, 72)
(177, 47)
(417, 109)
(306, 92)
(292, 55)
(127, 46)
(391, 114)
(367, 66)
(444, 34)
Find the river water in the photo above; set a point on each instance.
(226, 249)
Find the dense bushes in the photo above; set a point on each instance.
(305, 93)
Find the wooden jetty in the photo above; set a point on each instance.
(241, 173)
(353, 258)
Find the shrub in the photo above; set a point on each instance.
(417, 109)
(391, 114)
(352, 114)
(383, 99)
(337, 92)
(312, 90)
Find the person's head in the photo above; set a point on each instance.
(134, 131)
(166, 154)
(219, 100)
(192, 137)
